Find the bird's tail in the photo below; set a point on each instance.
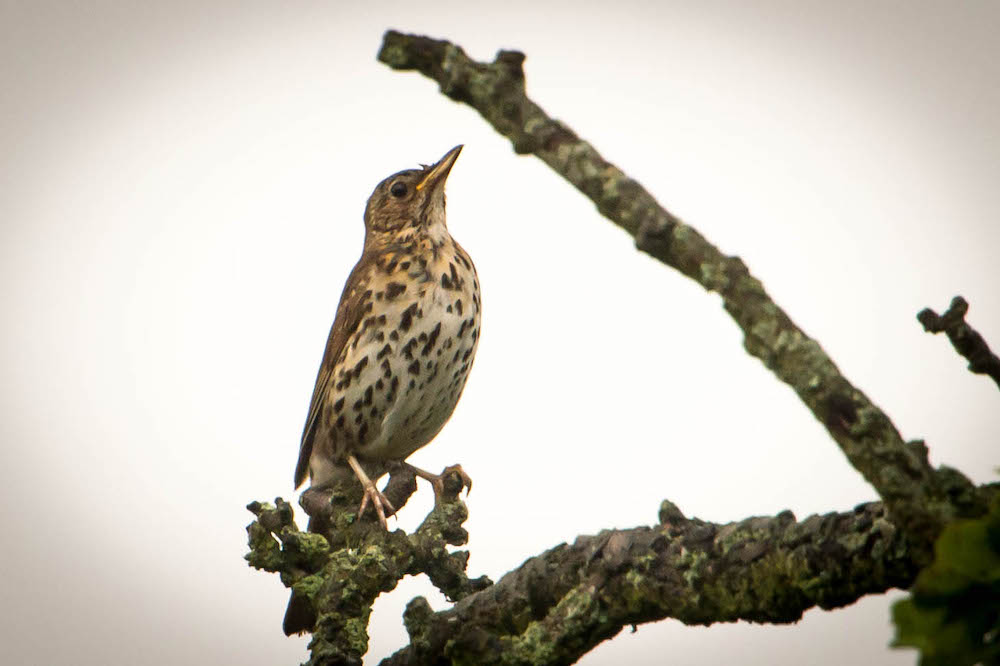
(299, 616)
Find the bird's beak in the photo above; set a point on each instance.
(439, 172)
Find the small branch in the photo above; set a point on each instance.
(559, 605)
(913, 491)
(344, 568)
(965, 339)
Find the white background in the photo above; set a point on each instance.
(181, 189)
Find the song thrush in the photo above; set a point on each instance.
(400, 348)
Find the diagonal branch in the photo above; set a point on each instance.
(965, 339)
(918, 498)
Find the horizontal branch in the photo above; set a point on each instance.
(965, 339)
(918, 497)
(559, 605)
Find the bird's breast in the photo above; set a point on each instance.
(404, 369)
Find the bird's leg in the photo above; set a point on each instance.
(437, 480)
(372, 494)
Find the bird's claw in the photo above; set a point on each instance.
(374, 496)
(438, 482)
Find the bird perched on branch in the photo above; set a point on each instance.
(400, 348)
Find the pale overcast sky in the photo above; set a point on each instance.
(181, 190)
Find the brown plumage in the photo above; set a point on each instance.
(400, 348)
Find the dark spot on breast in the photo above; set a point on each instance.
(363, 430)
(445, 281)
(394, 289)
(414, 368)
(458, 307)
(380, 337)
(412, 383)
(381, 320)
(454, 277)
(359, 418)
(374, 412)
(405, 265)
(465, 356)
(340, 421)
(368, 395)
(358, 404)
(379, 384)
(385, 351)
(386, 369)
(408, 348)
(449, 309)
(394, 384)
(339, 405)
(431, 340)
(394, 336)
(406, 319)
(461, 329)
(359, 367)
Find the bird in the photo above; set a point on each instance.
(399, 352)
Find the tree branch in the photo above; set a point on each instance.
(919, 498)
(965, 339)
(559, 605)
(343, 563)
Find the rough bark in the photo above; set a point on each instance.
(557, 606)
(344, 562)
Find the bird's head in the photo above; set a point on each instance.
(411, 199)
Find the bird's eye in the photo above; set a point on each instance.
(398, 189)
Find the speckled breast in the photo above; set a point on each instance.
(403, 372)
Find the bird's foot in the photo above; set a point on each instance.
(372, 494)
(381, 503)
(437, 480)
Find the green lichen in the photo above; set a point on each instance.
(343, 570)
(553, 640)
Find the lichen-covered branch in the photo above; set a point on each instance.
(965, 339)
(342, 564)
(919, 498)
(559, 605)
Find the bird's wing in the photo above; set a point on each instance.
(350, 312)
